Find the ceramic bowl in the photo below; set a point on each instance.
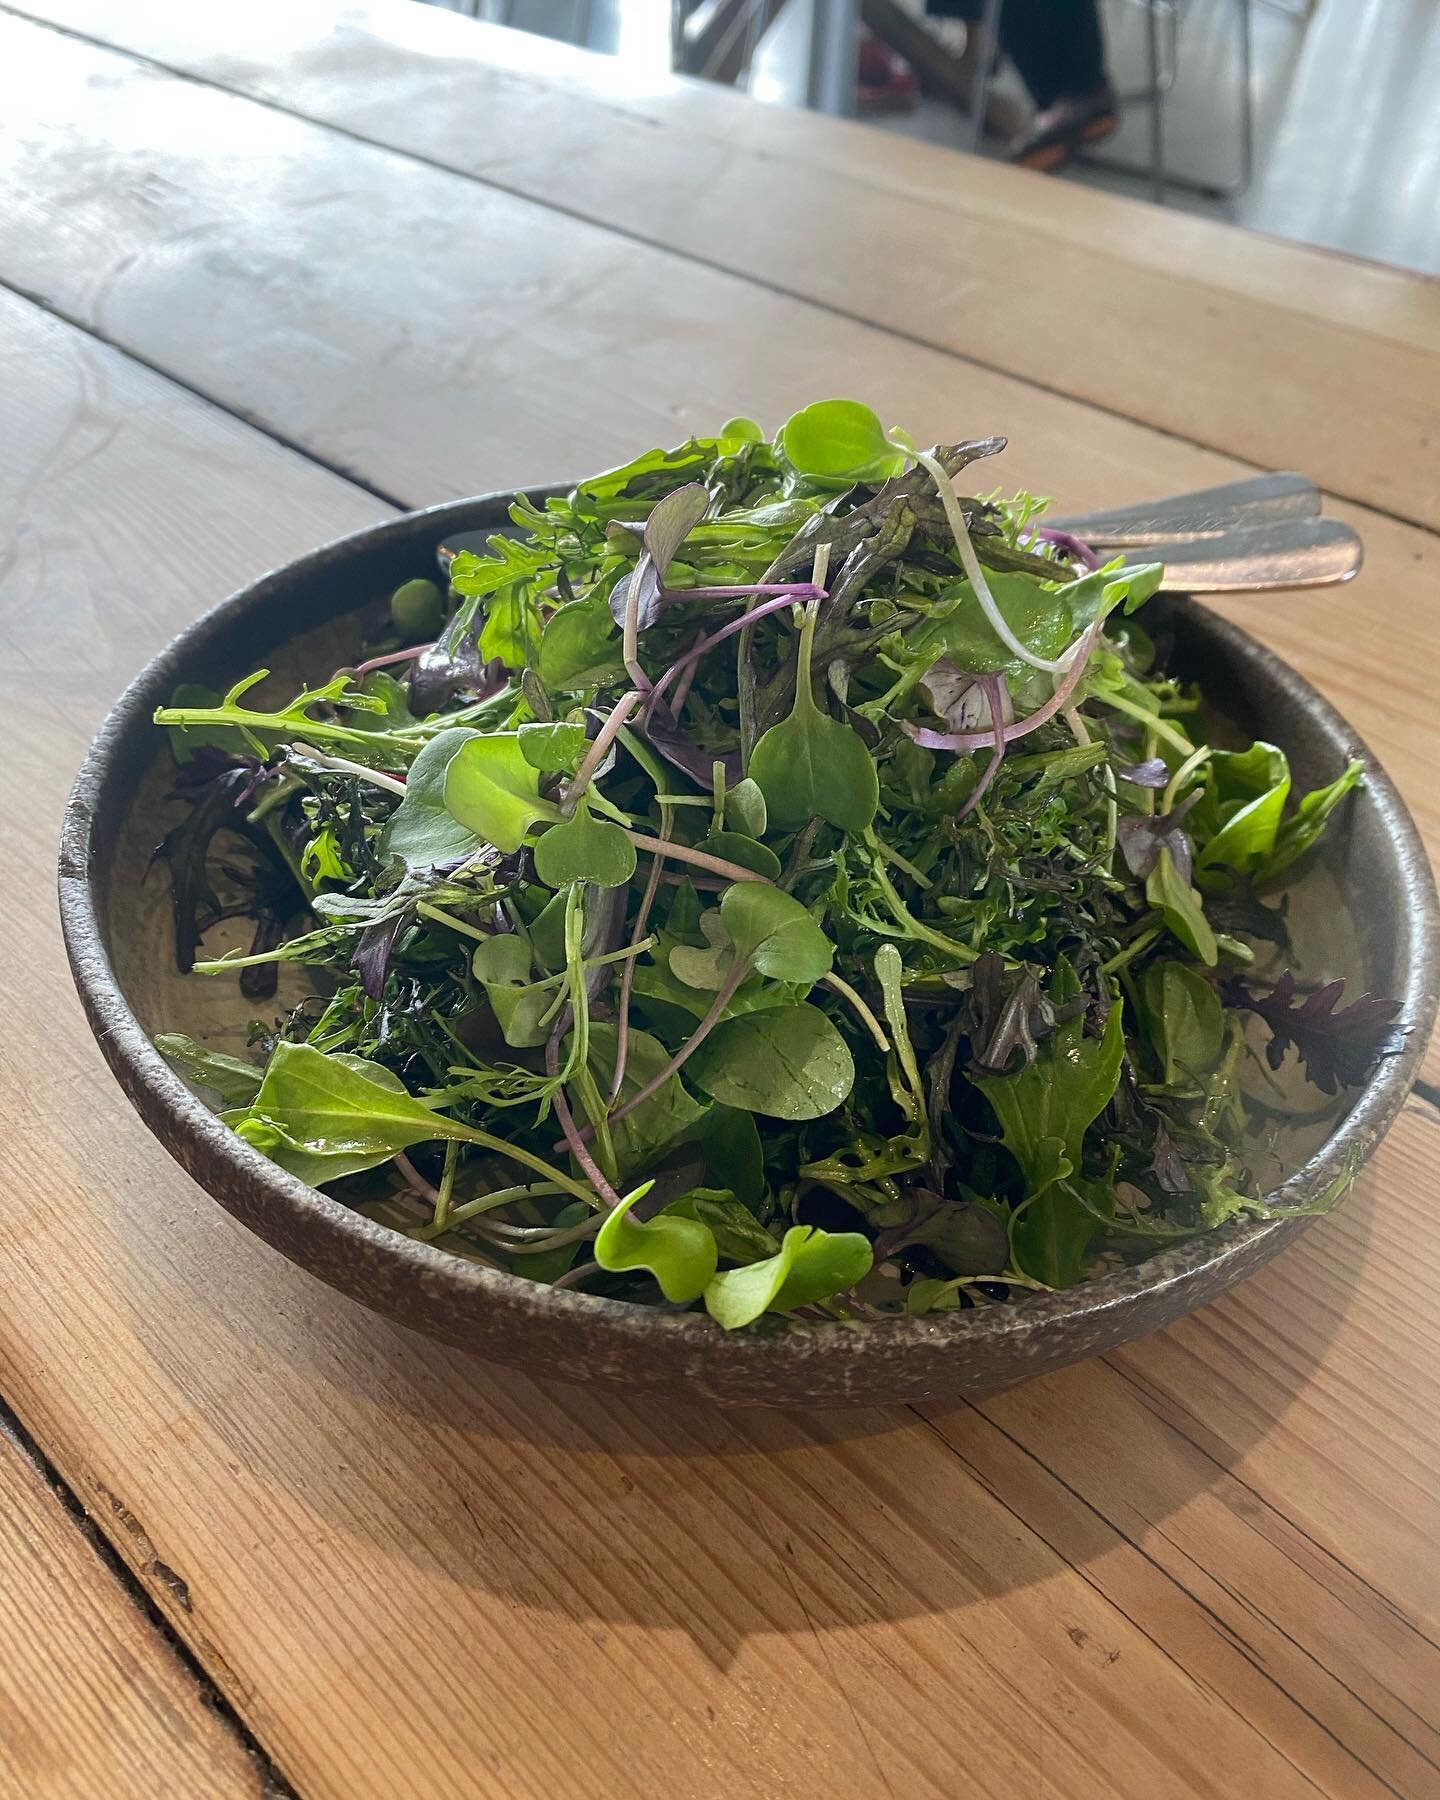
(1371, 875)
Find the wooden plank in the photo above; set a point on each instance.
(220, 244)
(415, 1574)
(1326, 361)
(93, 1701)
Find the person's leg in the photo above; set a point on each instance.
(1057, 47)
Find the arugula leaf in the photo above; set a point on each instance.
(493, 791)
(1045, 1108)
(787, 1062)
(679, 1253)
(810, 1265)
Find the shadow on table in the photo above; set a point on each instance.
(723, 1524)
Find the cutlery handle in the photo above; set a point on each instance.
(1207, 513)
(1294, 553)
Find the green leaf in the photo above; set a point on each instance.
(509, 629)
(1250, 789)
(1097, 594)
(775, 933)
(1179, 905)
(422, 831)
(787, 1062)
(670, 1115)
(1053, 1232)
(1056, 1098)
(185, 740)
(679, 1253)
(739, 1235)
(745, 809)
(810, 1265)
(584, 849)
(706, 968)
(729, 1141)
(810, 765)
(580, 647)
(493, 791)
(741, 431)
(736, 847)
(553, 748)
(1297, 834)
(322, 1116)
(1039, 616)
(502, 966)
(839, 442)
(1186, 1021)
(231, 1081)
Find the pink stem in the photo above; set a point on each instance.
(604, 738)
(995, 693)
(687, 681)
(574, 1141)
(798, 590)
(384, 662)
(978, 740)
(696, 651)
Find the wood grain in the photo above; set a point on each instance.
(1322, 362)
(93, 1701)
(412, 1573)
(1203, 1567)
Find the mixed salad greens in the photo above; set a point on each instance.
(764, 882)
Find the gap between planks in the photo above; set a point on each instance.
(714, 265)
(273, 1785)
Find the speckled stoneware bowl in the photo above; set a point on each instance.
(1372, 874)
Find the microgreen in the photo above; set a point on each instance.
(760, 839)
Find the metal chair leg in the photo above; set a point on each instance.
(989, 29)
(1157, 103)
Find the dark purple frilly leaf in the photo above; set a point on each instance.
(1337, 1045)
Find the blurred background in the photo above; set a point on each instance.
(1317, 120)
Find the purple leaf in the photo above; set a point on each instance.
(671, 521)
(1150, 774)
(666, 736)
(371, 959)
(1142, 839)
(1337, 1045)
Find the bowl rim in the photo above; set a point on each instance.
(620, 1325)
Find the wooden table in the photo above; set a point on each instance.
(270, 272)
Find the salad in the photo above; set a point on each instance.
(765, 882)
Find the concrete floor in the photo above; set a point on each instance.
(1347, 107)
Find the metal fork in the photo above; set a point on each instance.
(1242, 537)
